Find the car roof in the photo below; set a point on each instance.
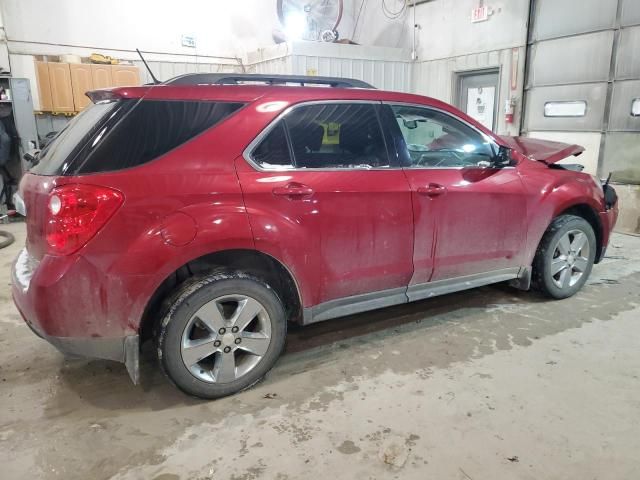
(249, 88)
(251, 93)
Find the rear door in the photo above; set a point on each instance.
(324, 198)
(477, 212)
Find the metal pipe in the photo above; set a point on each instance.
(414, 53)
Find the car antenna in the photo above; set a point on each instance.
(155, 80)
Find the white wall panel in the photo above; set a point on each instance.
(630, 12)
(556, 18)
(594, 94)
(447, 31)
(583, 58)
(628, 57)
(622, 157)
(590, 141)
(436, 78)
(620, 118)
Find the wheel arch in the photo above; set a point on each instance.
(586, 211)
(262, 265)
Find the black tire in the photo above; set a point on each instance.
(6, 238)
(543, 278)
(183, 305)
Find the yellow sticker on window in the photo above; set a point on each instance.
(331, 133)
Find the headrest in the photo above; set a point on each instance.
(306, 138)
(355, 138)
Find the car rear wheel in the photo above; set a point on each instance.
(565, 257)
(221, 334)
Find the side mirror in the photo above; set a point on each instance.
(503, 158)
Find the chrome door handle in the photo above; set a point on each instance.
(432, 190)
(293, 190)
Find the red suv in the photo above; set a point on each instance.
(207, 212)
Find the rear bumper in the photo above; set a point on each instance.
(124, 350)
(37, 299)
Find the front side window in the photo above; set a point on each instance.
(437, 140)
(327, 135)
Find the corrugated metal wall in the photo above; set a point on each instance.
(588, 51)
(383, 68)
(167, 70)
(383, 74)
(273, 66)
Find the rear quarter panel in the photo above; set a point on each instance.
(177, 208)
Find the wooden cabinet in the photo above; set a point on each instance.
(62, 86)
(81, 83)
(44, 86)
(125, 75)
(61, 92)
(101, 75)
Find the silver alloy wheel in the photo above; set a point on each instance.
(226, 338)
(570, 259)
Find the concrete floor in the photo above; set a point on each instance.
(487, 384)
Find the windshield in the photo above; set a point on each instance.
(56, 157)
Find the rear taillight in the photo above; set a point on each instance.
(76, 213)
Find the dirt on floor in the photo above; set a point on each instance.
(486, 384)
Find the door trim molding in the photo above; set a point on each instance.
(450, 285)
(341, 307)
(396, 296)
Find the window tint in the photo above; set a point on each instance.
(336, 136)
(273, 151)
(151, 129)
(55, 158)
(437, 140)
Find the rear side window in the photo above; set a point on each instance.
(338, 135)
(151, 129)
(273, 151)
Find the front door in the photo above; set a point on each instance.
(476, 211)
(323, 198)
(478, 96)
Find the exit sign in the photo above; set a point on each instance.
(480, 14)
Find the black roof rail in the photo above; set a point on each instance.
(237, 78)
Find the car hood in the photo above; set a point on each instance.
(542, 150)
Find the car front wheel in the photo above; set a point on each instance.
(221, 334)
(565, 257)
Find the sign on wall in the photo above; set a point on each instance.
(480, 105)
(188, 41)
(480, 14)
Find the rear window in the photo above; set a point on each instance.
(126, 134)
(55, 157)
